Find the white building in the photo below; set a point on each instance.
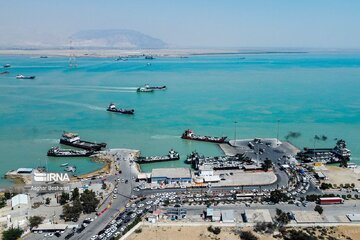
(206, 170)
(19, 199)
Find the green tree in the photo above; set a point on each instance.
(72, 213)
(35, 221)
(267, 164)
(103, 186)
(318, 209)
(247, 235)
(64, 198)
(8, 195)
(12, 234)
(281, 217)
(277, 196)
(2, 202)
(75, 194)
(47, 201)
(89, 201)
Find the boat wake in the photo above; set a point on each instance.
(77, 88)
(160, 137)
(47, 140)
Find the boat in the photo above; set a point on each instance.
(57, 152)
(172, 155)
(189, 134)
(70, 169)
(5, 72)
(64, 165)
(144, 89)
(73, 139)
(7, 65)
(155, 87)
(43, 56)
(24, 77)
(112, 108)
(150, 57)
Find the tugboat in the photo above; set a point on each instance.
(189, 134)
(57, 152)
(155, 88)
(73, 139)
(112, 108)
(7, 65)
(24, 77)
(144, 89)
(173, 155)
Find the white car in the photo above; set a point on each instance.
(94, 237)
(114, 197)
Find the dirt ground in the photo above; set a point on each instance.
(182, 233)
(338, 175)
(227, 233)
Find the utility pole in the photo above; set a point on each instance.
(277, 135)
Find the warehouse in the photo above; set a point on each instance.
(171, 175)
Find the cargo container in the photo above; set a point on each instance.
(331, 200)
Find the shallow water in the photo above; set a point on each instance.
(313, 94)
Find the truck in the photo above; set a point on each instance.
(331, 200)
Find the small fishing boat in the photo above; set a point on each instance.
(64, 164)
(112, 108)
(7, 65)
(70, 169)
(144, 89)
(24, 77)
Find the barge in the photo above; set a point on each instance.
(189, 134)
(73, 140)
(112, 108)
(173, 155)
(57, 152)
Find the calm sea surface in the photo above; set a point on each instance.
(313, 94)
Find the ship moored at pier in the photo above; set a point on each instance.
(173, 155)
(112, 108)
(189, 134)
(73, 139)
(58, 152)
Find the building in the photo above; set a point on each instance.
(48, 227)
(176, 213)
(211, 179)
(20, 199)
(206, 170)
(171, 175)
(227, 216)
(307, 217)
(216, 217)
(320, 175)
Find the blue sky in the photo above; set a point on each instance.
(195, 23)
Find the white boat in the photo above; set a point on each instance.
(64, 165)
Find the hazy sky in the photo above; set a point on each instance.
(190, 23)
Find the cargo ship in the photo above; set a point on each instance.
(24, 77)
(73, 139)
(173, 155)
(189, 134)
(112, 108)
(57, 152)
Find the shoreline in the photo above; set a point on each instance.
(136, 53)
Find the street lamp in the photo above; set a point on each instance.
(235, 122)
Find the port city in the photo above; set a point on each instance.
(210, 171)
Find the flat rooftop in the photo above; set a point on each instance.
(171, 172)
(259, 215)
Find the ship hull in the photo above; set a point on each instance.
(129, 112)
(222, 140)
(143, 160)
(90, 146)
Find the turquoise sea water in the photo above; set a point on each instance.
(314, 94)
